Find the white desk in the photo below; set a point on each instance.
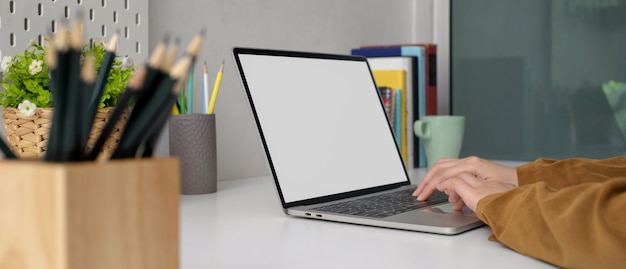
(243, 226)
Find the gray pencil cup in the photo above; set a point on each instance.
(192, 140)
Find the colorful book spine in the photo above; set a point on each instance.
(396, 79)
(430, 61)
(419, 103)
(398, 126)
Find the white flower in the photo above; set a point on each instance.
(27, 108)
(5, 64)
(127, 62)
(35, 67)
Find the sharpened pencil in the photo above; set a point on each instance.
(100, 84)
(153, 76)
(87, 81)
(170, 56)
(205, 89)
(160, 102)
(58, 65)
(216, 88)
(161, 118)
(133, 87)
(70, 145)
(192, 49)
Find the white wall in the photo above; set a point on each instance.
(333, 26)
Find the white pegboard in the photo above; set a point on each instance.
(25, 20)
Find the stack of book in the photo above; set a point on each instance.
(406, 76)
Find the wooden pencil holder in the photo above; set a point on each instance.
(119, 214)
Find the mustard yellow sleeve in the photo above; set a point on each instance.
(569, 172)
(581, 226)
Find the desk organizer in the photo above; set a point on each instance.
(119, 214)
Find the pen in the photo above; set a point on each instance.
(216, 88)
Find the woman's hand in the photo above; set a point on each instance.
(462, 169)
(467, 189)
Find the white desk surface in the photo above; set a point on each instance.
(242, 225)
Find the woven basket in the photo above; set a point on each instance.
(28, 135)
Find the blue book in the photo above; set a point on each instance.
(419, 84)
(398, 124)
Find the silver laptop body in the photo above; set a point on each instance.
(327, 138)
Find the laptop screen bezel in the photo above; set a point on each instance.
(237, 51)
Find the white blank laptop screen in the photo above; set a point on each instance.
(323, 125)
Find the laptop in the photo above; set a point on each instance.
(329, 145)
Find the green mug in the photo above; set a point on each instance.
(442, 136)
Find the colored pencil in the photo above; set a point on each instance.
(205, 89)
(192, 49)
(190, 89)
(216, 89)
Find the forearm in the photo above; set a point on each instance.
(579, 226)
(569, 172)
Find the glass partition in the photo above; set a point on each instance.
(540, 78)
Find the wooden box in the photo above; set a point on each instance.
(119, 214)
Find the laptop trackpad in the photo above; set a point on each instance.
(447, 209)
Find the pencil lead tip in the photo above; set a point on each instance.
(166, 38)
(202, 31)
(80, 14)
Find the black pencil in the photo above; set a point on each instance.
(170, 56)
(6, 150)
(100, 83)
(87, 80)
(70, 145)
(133, 87)
(132, 137)
(58, 65)
(154, 131)
(151, 138)
(153, 75)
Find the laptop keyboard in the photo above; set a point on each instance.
(384, 205)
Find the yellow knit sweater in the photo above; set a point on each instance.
(571, 213)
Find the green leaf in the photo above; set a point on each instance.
(20, 85)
